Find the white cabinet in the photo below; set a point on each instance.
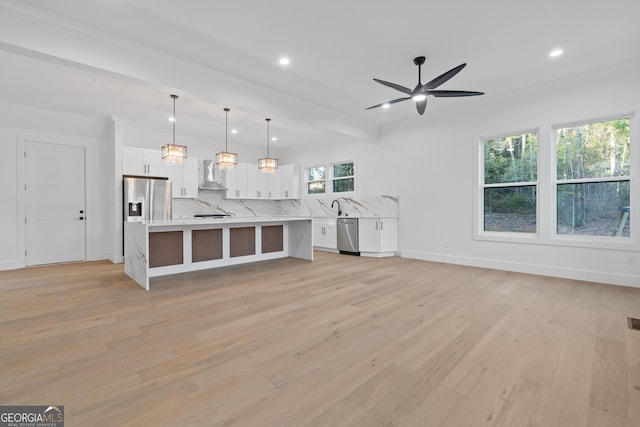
(236, 181)
(290, 182)
(143, 162)
(184, 179)
(378, 237)
(257, 183)
(264, 185)
(246, 181)
(275, 184)
(325, 233)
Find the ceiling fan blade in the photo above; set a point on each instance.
(421, 106)
(389, 102)
(452, 93)
(442, 78)
(395, 86)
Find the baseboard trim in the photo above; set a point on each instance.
(10, 265)
(541, 270)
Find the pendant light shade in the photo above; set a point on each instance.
(174, 154)
(225, 159)
(268, 164)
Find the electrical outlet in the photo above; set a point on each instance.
(631, 260)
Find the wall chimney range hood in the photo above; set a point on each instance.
(207, 177)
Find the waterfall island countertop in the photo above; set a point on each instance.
(158, 248)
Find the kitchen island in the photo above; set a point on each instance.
(159, 248)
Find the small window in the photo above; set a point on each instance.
(316, 181)
(510, 183)
(343, 177)
(593, 187)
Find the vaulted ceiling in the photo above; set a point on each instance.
(124, 57)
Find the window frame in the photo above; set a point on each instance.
(307, 181)
(329, 178)
(586, 240)
(547, 190)
(334, 178)
(480, 232)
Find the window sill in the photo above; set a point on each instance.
(592, 242)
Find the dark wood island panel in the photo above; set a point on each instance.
(242, 241)
(165, 248)
(272, 236)
(206, 245)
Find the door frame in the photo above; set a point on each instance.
(89, 184)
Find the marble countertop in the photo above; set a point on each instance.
(225, 220)
(354, 216)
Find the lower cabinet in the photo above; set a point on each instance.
(378, 237)
(325, 233)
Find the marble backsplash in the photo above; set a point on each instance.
(209, 202)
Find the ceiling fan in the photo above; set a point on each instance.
(421, 91)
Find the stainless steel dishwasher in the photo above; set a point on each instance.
(348, 236)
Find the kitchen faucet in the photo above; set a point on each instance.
(339, 208)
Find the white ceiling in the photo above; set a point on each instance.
(336, 48)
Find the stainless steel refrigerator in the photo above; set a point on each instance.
(146, 199)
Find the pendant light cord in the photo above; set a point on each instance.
(226, 129)
(268, 120)
(174, 118)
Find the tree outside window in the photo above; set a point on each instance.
(343, 177)
(593, 165)
(316, 183)
(510, 183)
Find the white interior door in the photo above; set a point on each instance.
(55, 203)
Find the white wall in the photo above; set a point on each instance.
(20, 123)
(429, 162)
(136, 136)
(377, 165)
(438, 179)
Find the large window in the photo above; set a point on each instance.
(510, 183)
(593, 166)
(331, 178)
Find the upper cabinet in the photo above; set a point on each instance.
(246, 181)
(289, 182)
(235, 180)
(257, 183)
(184, 179)
(144, 162)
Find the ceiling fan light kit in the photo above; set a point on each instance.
(421, 91)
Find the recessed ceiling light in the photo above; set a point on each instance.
(555, 52)
(274, 139)
(234, 130)
(172, 119)
(285, 61)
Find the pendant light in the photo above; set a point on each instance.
(268, 164)
(225, 159)
(174, 154)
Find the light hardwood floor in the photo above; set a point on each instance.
(341, 341)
